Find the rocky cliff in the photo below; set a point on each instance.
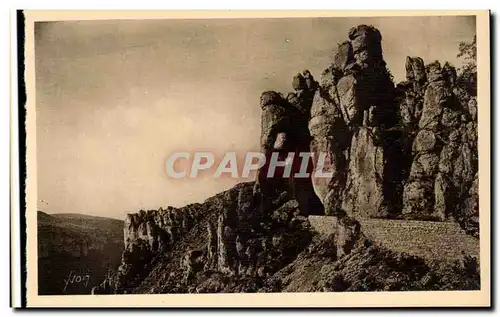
(232, 247)
(404, 153)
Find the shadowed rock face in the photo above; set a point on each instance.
(76, 252)
(226, 235)
(406, 151)
(343, 56)
(351, 114)
(284, 130)
(231, 247)
(366, 45)
(415, 70)
(393, 152)
(444, 150)
(331, 136)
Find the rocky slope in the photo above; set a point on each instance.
(75, 252)
(231, 247)
(404, 152)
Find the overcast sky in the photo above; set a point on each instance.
(115, 98)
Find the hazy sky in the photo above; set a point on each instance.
(115, 98)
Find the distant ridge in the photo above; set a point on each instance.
(77, 245)
(76, 215)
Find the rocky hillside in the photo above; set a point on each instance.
(75, 252)
(405, 154)
(226, 245)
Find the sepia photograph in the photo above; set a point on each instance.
(322, 154)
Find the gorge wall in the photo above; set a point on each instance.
(401, 152)
(76, 252)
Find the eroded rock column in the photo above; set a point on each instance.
(352, 116)
(426, 191)
(284, 130)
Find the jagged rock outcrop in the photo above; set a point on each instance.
(284, 130)
(158, 229)
(229, 237)
(407, 152)
(469, 217)
(443, 159)
(351, 117)
(343, 56)
(147, 234)
(233, 248)
(410, 100)
(415, 71)
(331, 137)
